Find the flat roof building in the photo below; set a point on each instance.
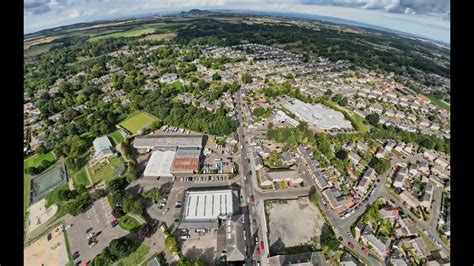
(203, 208)
(167, 142)
(318, 115)
(186, 160)
(159, 164)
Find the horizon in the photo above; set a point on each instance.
(428, 26)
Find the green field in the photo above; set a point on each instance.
(80, 177)
(129, 224)
(116, 137)
(124, 34)
(136, 257)
(105, 171)
(137, 122)
(440, 103)
(33, 161)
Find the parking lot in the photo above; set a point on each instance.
(156, 211)
(200, 246)
(292, 223)
(99, 218)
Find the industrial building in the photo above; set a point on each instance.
(167, 142)
(160, 164)
(204, 208)
(318, 115)
(186, 160)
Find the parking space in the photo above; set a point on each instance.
(99, 218)
(202, 178)
(200, 245)
(167, 210)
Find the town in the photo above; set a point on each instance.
(164, 153)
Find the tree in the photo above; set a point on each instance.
(379, 165)
(328, 93)
(154, 194)
(133, 205)
(427, 143)
(337, 98)
(246, 78)
(104, 258)
(373, 119)
(117, 212)
(117, 184)
(216, 76)
(343, 101)
(171, 243)
(341, 154)
(146, 230)
(121, 247)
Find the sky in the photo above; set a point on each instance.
(424, 18)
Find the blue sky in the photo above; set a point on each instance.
(426, 18)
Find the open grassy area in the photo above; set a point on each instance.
(429, 243)
(438, 102)
(129, 224)
(137, 122)
(124, 34)
(81, 178)
(105, 171)
(159, 37)
(274, 160)
(356, 120)
(117, 137)
(136, 257)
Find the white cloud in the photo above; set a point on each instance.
(74, 13)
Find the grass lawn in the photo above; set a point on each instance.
(136, 257)
(429, 243)
(438, 102)
(80, 177)
(124, 34)
(129, 224)
(105, 171)
(358, 122)
(53, 197)
(33, 161)
(138, 121)
(116, 137)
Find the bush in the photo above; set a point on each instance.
(373, 119)
(171, 243)
(379, 165)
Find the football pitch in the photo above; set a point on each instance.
(137, 122)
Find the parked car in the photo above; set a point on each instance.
(166, 210)
(257, 251)
(351, 246)
(88, 230)
(184, 237)
(256, 240)
(262, 245)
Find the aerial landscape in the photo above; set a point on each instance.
(203, 137)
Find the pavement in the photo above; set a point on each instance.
(99, 217)
(48, 252)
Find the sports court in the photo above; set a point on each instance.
(46, 182)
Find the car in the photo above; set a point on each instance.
(92, 244)
(90, 235)
(351, 246)
(262, 245)
(257, 251)
(182, 179)
(88, 230)
(75, 256)
(258, 263)
(184, 237)
(75, 253)
(365, 251)
(79, 262)
(256, 240)
(166, 210)
(114, 222)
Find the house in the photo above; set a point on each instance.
(389, 213)
(168, 77)
(370, 174)
(408, 149)
(320, 178)
(419, 248)
(410, 200)
(337, 202)
(424, 168)
(102, 150)
(362, 147)
(389, 112)
(376, 108)
(425, 123)
(258, 163)
(399, 147)
(399, 180)
(381, 153)
(441, 162)
(398, 259)
(363, 186)
(355, 159)
(359, 228)
(348, 260)
(380, 245)
(437, 170)
(429, 156)
(288, 158)
(413, 170)
(427, 196)
(405, 228)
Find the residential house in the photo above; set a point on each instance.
(413, 170)
(410, 200)
(405, 228)
(376, 108)
(355, 159)
(362, 147)
(424, 168)
(337, 202)
(427, 196)
(371, 174)
(348, 260)
(168, 77)
(419, 248)
(441, 162)
(389, 213)
(429, 156)
(399, 180)
(381, 245)
(363, 186)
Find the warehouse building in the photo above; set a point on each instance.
(160, 164)
(167, 142)
(204, 208)
(186, 160)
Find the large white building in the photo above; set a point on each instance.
(102, 150)
(203, 208)
(318, 115)
(160, 164)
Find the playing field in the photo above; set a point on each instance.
(80, 177)
(43, 184)
(124, 34)
(137, 122)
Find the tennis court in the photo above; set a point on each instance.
(45, 183)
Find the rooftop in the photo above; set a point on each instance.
(160, 164)
(208, 205)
